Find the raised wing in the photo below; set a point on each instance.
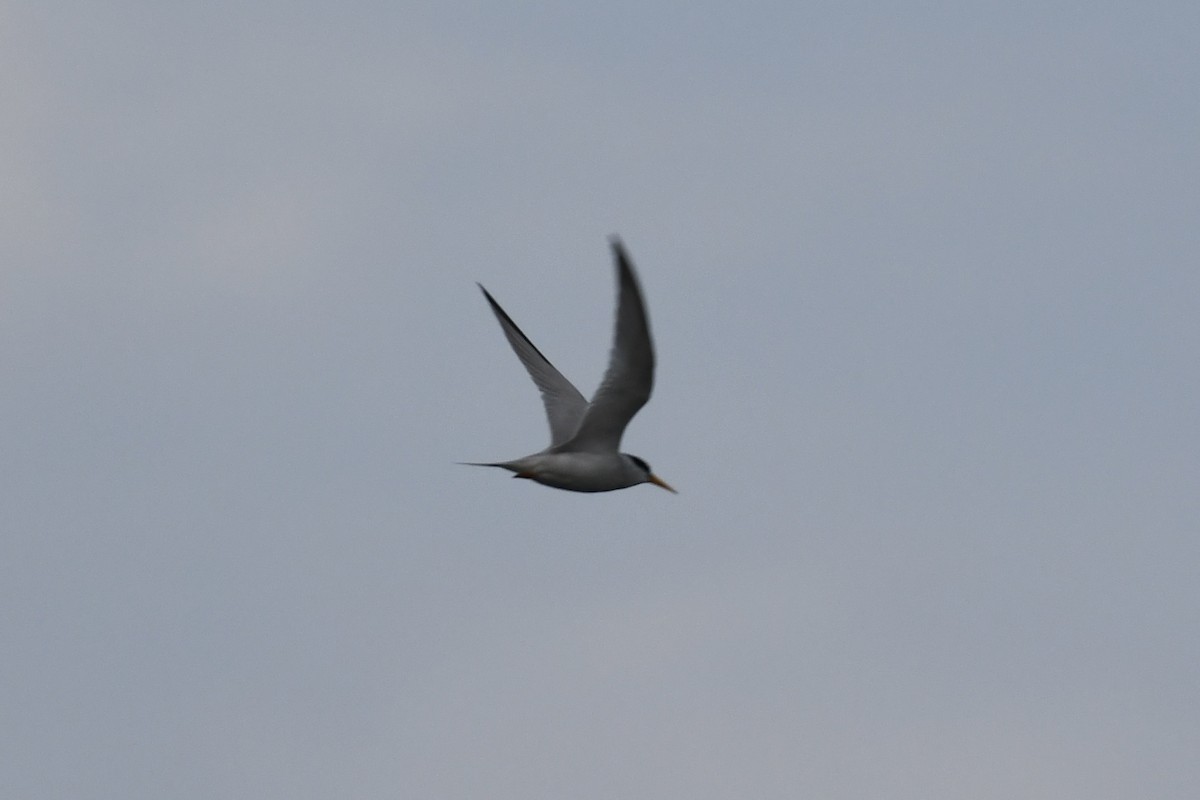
(630, 376)
(565, 406)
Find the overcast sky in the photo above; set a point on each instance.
(925, 285)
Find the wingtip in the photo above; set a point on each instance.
(618, 246)
(624, 263)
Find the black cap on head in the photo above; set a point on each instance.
(640, 463)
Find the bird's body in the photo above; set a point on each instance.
(577, 471)
(583, 455)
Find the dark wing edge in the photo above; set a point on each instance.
(564, 404)
(629, 379)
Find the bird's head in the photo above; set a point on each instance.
(648, 476)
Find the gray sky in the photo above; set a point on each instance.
(924, 284)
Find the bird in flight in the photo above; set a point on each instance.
(585, 437)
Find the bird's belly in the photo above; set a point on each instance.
(580, 472)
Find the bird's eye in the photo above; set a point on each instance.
(641, 463)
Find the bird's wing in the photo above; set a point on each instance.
(564, 404)
(630, 376)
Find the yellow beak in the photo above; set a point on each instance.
(657, 481)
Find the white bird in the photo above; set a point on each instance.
(585, 438)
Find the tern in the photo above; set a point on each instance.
(585, 437)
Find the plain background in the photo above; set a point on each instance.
(923, 279)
